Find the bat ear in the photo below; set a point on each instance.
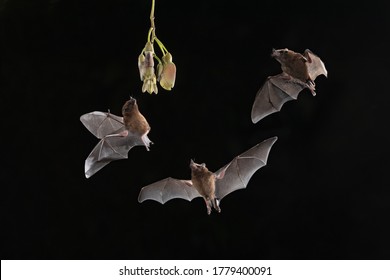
(307, 55)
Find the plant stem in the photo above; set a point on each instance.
(156, 57)
(161, 45)
(152, 26)
(150, 33)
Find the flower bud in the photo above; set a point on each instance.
(167, 75)
(160, 68)
(146, 69)
(141, 68)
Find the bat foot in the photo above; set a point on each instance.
(312, 90)
(216, 205)
(311, 86)
(147, 142)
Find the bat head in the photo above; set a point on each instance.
(129, 105)
(196, 166)
(281, 55)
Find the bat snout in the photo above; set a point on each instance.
(132, 100)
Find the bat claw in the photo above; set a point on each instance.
(147, 142)
(215, 205)
(312, 86)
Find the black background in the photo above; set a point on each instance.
(323, 195)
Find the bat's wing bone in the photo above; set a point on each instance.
(240, 170)
(276, 91)
(111, 147)
(167, 189)
(102, 124)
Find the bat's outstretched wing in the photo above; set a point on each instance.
(101, 124)
(315, 65)
(111, 147)
(239, 171)
(276, 91)
(168, 189)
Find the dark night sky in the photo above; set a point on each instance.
(323, 195)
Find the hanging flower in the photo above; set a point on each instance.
(167, 72)
(166, 69)
(146, 69)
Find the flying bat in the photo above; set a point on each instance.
(118, 135)
(299, 72)
(211, 186)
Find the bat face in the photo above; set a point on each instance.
(289, 58)
(129, 105)
(198, 167)
(293, 64)
(281, 55)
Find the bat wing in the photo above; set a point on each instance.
(315, 65)
(240, 170)
(276, 91)
(110, 148)
(167, 189)
(101, 124)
